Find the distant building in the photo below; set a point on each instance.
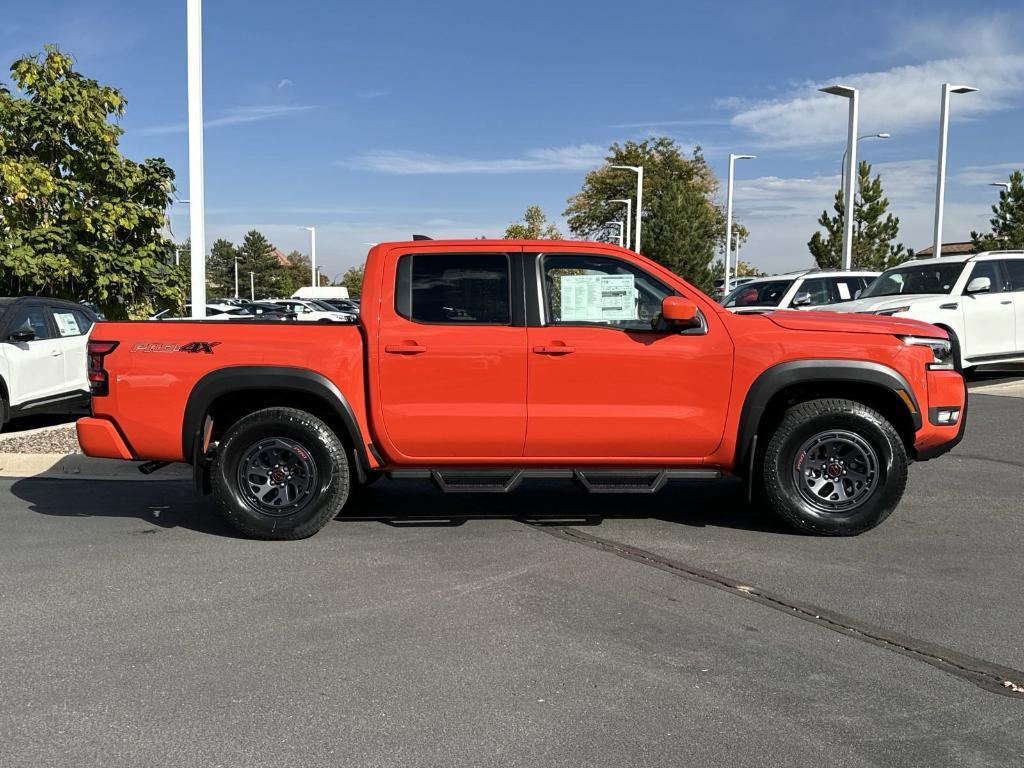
(282, 259)
(948, 249)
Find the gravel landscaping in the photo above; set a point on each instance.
(56, 439)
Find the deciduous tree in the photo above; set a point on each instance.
(353, 280)
(534, 226)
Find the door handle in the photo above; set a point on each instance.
(404, 349)
(54, 353)
(554, 349)
(1007, 301)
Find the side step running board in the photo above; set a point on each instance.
(628, 480)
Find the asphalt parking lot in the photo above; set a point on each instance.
(543, 628)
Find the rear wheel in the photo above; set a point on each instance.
(834, 468)
(280, 473)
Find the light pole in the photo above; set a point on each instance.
(728, 215)
(629, 215)
(177, 254)
(851, 162)
(620, 226)
(940, 180)
(236, 277)
(842, 168)
(194, 24)
(252, 285)
(1004, 184)
(639, 171)
(312, 253)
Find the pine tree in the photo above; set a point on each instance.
(256, 255)
(874, 230)
(1008, 222)
(220, 270)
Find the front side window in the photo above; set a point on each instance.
(845, 288)
(818, 289)
(31, 319)
(763, 294)
(989, 269)
(454, 289)
(923, 279)
(601, 290)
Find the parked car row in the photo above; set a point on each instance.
(306, 310)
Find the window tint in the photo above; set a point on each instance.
(1015, 271)
(766, 294)
(601, 290)
(926, 279)
(31, 319)
(457, 288)
(818, 288)
(66, 322)
(84, 321)
(845, 288)
(989, 269)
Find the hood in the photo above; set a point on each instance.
(878, 302)
(852, 323)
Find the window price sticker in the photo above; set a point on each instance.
(598, 298)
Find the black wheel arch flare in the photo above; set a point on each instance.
(777, 378)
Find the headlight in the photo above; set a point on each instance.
(942, 351)
(891, 311)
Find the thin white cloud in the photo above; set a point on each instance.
(572, 158)
(285, 83)
(234, 116)
(690, 122)
(900, 99)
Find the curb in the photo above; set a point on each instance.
(75, 466)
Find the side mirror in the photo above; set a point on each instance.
(857, 294)
(678, 311)
(979, 285)
(19, 337)
(802, 299)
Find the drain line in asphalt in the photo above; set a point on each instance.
(984, 674)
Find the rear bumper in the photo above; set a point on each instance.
(100, 438)
(946, 389)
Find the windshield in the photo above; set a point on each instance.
(766, 294)
(323, 306)
(926, 278)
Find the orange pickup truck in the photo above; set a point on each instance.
(479, 364)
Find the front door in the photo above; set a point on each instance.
(37, 366)
(607, 381)
(451, 358)
(1015, 273)
(989, 318)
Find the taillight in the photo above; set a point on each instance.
(98, 381)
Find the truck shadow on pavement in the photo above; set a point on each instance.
(171, 504)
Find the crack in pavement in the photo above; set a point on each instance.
(986, 675)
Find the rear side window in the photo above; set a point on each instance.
(1015, 271)
(67, 323)
(454, 289)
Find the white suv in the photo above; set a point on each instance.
(978, 299)
(311, 310)
(797, 290)
(42, 356)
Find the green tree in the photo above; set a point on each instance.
(534, 226)
(220, 271)
(1008, 222)
(353, 280)
(295, 274)
(78, 219)
(874, 230)
(682, 226)
(256, 255)
(743, 269)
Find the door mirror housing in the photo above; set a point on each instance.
(979, 285)
(676, 310)
(19, 337)
(802, 299)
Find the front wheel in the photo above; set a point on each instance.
(834, 468)
(280, 473)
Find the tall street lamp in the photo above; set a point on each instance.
(177, 254)
(1004, 184)
(629, 215)
(312, 253)
(236, 277)
(728, 216)
(194, 25)
(940, 182)
(252, 285)
(851, 163)
(639, 171)
(842, 168)
(620, 226)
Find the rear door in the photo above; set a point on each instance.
(989, 318)
(37, 366)
(607, 382)
(72, 328)
(451, 356)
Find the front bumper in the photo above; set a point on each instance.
(946, 390)
(100, 438)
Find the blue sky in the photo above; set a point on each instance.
(372, 121)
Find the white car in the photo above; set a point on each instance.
(213, 312)
(809, 288)
(313, 311)
(42, 356)
(978, 299)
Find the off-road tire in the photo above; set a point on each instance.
(805, 421)
(314, 441)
